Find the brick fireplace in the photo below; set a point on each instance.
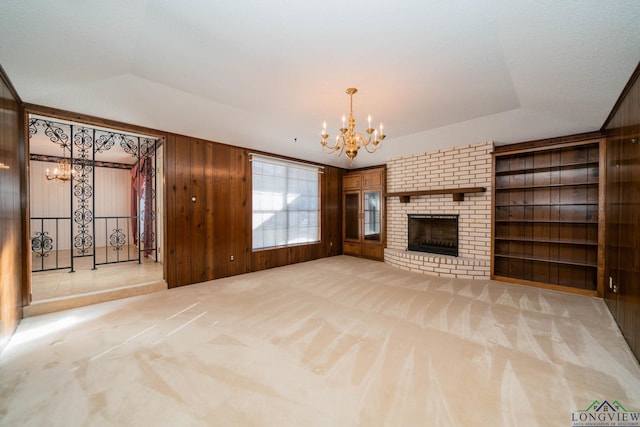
(468, 166)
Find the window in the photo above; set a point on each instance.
(286, 202)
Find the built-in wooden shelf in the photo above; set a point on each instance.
(550, 260)
(543, 240)
(362, 193)
(521, 204)
(547, 221)
(547, 168)
(546, 216)
(530, 187)
(458, 193)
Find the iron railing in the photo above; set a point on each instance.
(46, 240)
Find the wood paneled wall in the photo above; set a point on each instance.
(206, 211)
(12, 211)
(208, 227)
(622, 205)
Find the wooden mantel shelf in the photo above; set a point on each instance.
(458, 193)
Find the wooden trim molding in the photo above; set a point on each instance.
(457, 193)
(12, 89)
(632, 80)
(569, 289)
(602, 220)
(96, 163)
(13, 205)
(542, 144)
(91, 120)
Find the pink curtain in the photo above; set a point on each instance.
(134, 203)
(142, 181)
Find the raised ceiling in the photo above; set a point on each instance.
(265, 74)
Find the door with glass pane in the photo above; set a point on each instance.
(352, 216)
(371, 215)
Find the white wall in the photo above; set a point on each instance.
(112, 192)
(49, 199)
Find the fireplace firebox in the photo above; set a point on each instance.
(436, 234)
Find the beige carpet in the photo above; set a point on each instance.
(334, 342)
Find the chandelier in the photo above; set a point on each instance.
(349, 140)
(63, 172)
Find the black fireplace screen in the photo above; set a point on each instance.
(436, 234)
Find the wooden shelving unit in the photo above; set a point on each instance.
(546, 216)
(363, 217)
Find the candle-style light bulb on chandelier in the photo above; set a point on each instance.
(63, 172)
(349, 140)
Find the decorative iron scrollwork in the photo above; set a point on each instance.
(117, 239)
(104, 142)
(83, 215)
(82, 189)
(84, 142)
(32, 127)
(147, 147)
(56, 134)
(129, 145)
(41, 244)
(83, 139)
(83, 241)
(54, 131)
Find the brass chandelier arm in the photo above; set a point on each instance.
(332, 149)
(369, 143)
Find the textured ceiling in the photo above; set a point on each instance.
(261, 74)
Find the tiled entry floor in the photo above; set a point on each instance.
(46, 285)
(60, 290)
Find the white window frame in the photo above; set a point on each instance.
(281, 236)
